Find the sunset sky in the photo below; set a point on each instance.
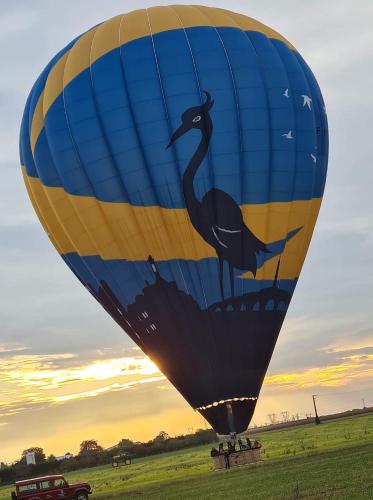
(67, 371)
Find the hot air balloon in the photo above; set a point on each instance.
(176, 157)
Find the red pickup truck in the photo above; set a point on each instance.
(50, 488)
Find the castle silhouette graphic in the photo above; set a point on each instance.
(200, 350)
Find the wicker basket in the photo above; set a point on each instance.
(242, 457)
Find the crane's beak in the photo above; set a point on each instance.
(178, 133)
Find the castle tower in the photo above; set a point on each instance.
(275, 281)
(153, 265)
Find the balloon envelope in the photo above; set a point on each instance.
(176, 157)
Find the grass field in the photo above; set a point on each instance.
(330, 461)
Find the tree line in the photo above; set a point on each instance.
(92, 454)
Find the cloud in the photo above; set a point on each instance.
(354, 368)
(102, 390)
(31, 381)
(362, 342)
(6, 349)
(42, 370)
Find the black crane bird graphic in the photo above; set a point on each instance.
(217, 217)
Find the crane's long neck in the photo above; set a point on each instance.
(192, 202)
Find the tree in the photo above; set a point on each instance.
(162, 437)
(272, 418)
(39, 454)
(90, 447)
(285, 416)
(125, 445)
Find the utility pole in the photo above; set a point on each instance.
(317, 420)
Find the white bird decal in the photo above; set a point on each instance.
(289, 135)
(286, 93)
(313, 158)
(307, 101)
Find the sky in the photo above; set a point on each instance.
(67, 371)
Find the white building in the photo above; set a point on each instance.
(30, 458)
(66, 456)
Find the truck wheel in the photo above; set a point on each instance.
(81, 496)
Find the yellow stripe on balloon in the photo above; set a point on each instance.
(78, 58)
(106, 38)
(54, 84)
(126, 28)
(36, 195)
(84, 225)
(37, 122)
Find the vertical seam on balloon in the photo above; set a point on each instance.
(270, 140)
(239, 122)
(47, 227)
(154, 232)
(55, 60)
(73, 207)
(25, 137)
(178, 260)
(105, 264)
(169, 129)
(238, 118)
(146, 170)
(211, 330)
(150, 31)
(125, 85)
(293, 107)
(22, 133)
(200, 92)
(112, 161)
(137, 269)
(45, 191)
(210, 170)
(310, 209)
(166, 113)
(39, 212)
(187, 218)
(317, 99)
(315, 106)
(294, 150)
(164, 100)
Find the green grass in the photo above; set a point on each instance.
(330, 461)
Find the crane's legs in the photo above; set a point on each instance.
(221, 273)
(221, 278)
(231, 275)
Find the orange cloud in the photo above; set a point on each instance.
(102, 390)
(356, 367)
(57, 380)
(41, 370)
(350, 344)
